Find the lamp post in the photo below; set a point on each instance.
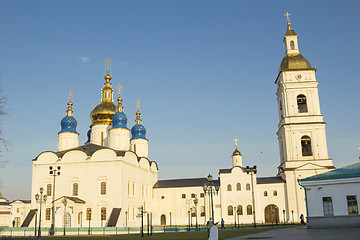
(208, 188)
(65, 203)
(126, 213)
(189, 221)
(196, 201)
(40, 198)
(276, 214)
(170, 218)
(235, 217)
(292, 213)
(89, 217)
(53, 172)
(284, 216)
(252, 171)
(36, 212)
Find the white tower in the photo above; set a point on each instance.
(236, 156)
(138, 142)
(68, 137)
(119, 138)
(301, 134)
(101, 115)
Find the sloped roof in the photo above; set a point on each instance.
(350, 171)
(74, 199)
(267, 180)
(186, 182)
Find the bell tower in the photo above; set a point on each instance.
(301, 129)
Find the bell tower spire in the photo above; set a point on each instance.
(290, 39)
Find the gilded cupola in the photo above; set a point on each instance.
(104, 111)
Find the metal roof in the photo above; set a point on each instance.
(266, 180)
(187, 182)
(350, 171)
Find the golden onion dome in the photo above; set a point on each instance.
(295, 62)
(103, 113)
(236, 153)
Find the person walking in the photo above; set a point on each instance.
(302, 222)
(222, 223)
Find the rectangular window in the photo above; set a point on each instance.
(103, 188)
(47, 214)
(88, 214)
(75, 189)
(352, 204)
(48, 190)
(328, 206)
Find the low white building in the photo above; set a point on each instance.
(332, 198)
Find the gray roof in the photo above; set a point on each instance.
(23, 201)
(187, 182)
(267, 180)
(350, 171)
(74, 199)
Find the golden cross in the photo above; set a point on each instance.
(107, 64)
(119, 87)
(138, 104)
(236, 141)
(287, 15)
(70, 92)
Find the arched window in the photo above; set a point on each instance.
(247, 187)
(201, 194)
(238, 187)
(202, 214)
(292, 45)
(48, 190)
(80, 218)
(306, 146)
(103, 188)
(183, 196)
(265, 194)
(47, 214)
(103, 214)
(230, 211)
(193, 212)
(301, 103)
(249, 210)
(239, 210)
(229, 187)
(275, 193)
(193, 195)
(75, 189)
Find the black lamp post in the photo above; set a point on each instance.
(252, 171)
(65, 203)
(235, 217)
(208, 188)
(40, 198)
(196, 202)
(53, 172)
(36, 212)
(189, 221)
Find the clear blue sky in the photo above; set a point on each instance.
(203, 70)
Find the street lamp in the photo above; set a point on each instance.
(126, 213)
(208, 188)
(65, 203)
(53, 172)
(189, 221)
(40, 198)
(252, 171)
(89, 217)
(196, 202)
(235, 217)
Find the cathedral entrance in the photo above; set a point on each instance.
(67, 220)
(271, 214)
(163, 219)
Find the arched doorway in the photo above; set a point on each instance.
(163, 220)
(271, 214)
(67, 220)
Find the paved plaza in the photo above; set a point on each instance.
(302, 233)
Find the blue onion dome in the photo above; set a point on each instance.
(119, 120)
(69, 123)
(88, 136)
(138, 130)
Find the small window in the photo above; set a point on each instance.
(193, 195)
(201, 195)
(103, 214)
(48, 190)
(88, 214)
(239, 210)
(18, 210)
(229, 187)
(275, 193)
(249, 210)
(306, 146)
(103, 188)
(352, 204)
(47, 214)
(183, 195)
(328, 206)
(202, 214)
(265, 194)
(238, 187)
(247, 187)
(230, 211)
(292, 45)
(301, 103)
(75, 189)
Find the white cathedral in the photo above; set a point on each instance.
(107, 179)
